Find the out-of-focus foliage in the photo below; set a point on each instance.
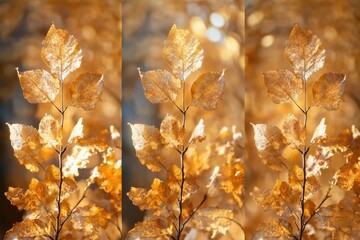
(268, 25)
(299, 201)
(61, 205)
(97, 26)
(218, 26)
(182, 205)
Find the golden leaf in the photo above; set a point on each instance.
(198, 134)
(26, 143)
(282, 86)
(328, 90)
(172, 131)
(147, 142)
(320, 132)
(296, 176)
(282, 198)
(50, 132)
(78, 159)
(61, 52)
(207, 90)
(174, 178)
(29, 229)
(160, 86)
(275, 229)
(77, 132)
(90, 218)
(213, 220)
(309, 208)
(304, 52)
(182, 52)
(157, 229)
(115, 137)
(314, 164)
(348, 175)
(232, 177)
(38, 86)
(86, 90)
(270, 144)
(294, 132)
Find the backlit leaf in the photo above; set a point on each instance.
(86, 90)
(150, 229)
(172, 131)
(304, 52)
(50, 132)
(283, 86)
(207, 90)
(296, 176)
(182, 52)
(198, 134)
(77, 132)
(61, 52)
(270, 144)
(39, 86)
(294, 132)
(232, 177)
(78, 159)
(27, 145)
(348, 175)
(274, 229)
(213, 220)
(160, 86)
(320, 132)
(315, 163)
(29, 229)
(329, 90)
(147, 143)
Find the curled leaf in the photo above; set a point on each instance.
(329, 90)
(182, 52)
(39, 86)
(207, 90)
(160, 86)
(172, 131)
(86, 90)
(61, 52)
(283, 86)
(50, 132)
(27, 145)
(147, 142)
(304, 52)
(198, 134)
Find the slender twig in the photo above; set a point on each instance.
(327, 196)
(194, 211)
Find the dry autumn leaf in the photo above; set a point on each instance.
(150, 229)
(319, 133)
(198, 134)
(283, 86)
(160, 86)
(27, 146)
(294, 132)
(182, 52)
(29, 229)
(78, 159)
(207, 90)
(329, 90)
(304, 52)
(172, 131)
(147, 142)
(61, 52)
(280, 230)
(50, 132)
(39, 86)
(77, 132)
(86, 90)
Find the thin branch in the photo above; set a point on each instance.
(194, 211)
(327, 196)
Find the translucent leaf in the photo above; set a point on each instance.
(329, 90)
(198, 134)
(207, 90)
(150, 229)
(61, 52)
(29, 229)
(39, 86)
(213, 220)
(296, 176)
(26, 143)
(320, 132)
(315, 163)
(90, 218)
(115, 137)
(52, 177)
(174, 178)
(294, 131)
(78, 159)
(86, 90)
(348, 175)
(232, 179)
(77, 132)
(282, 86)
(172, 131)
(274, 229)
(282, 198)
(182, 52)
(147, 143)
(304, 52)
(160, 86)
(270, 144)
(50, 132)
